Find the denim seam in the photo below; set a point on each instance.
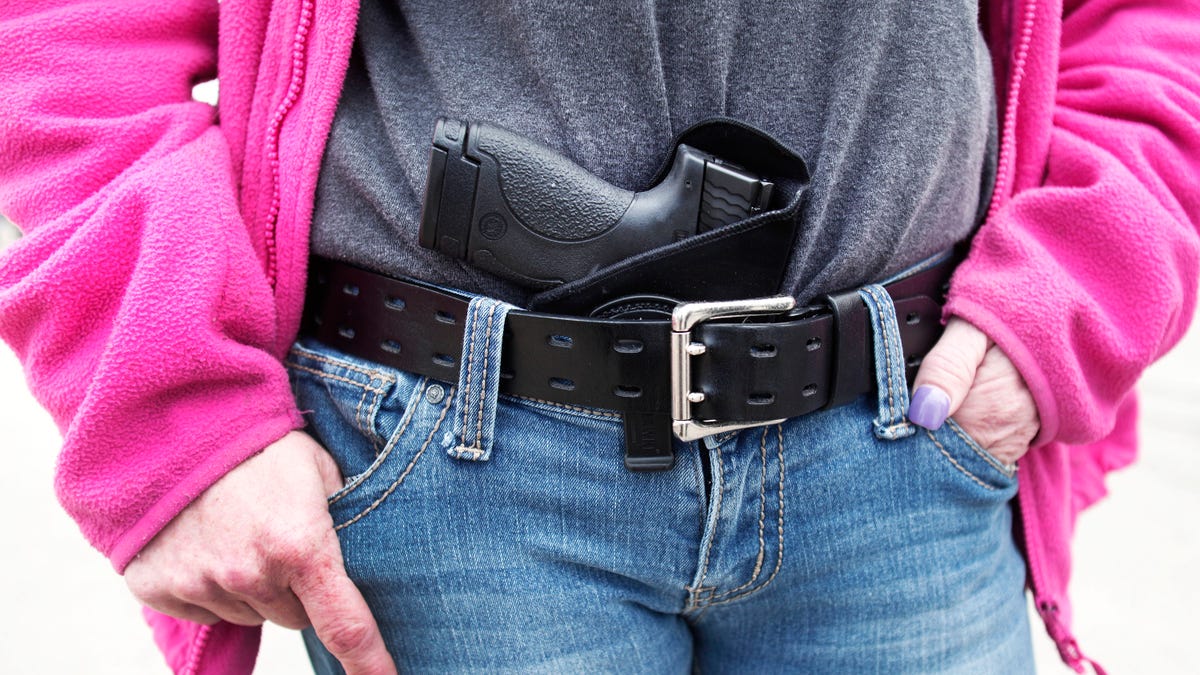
(407, 470)
(702, 495)
(762, 516)
(978, 449)
(887, 354)
(958, 466)
(300, 352)
(379, 459)
(715, 514)
(469, 336)
(779, 556)
(361, 419)
(372, 414)
(338, 378)
(487, 344)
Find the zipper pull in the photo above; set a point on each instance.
(1068, 648)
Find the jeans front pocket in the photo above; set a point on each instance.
(358, 410)
(965, 456)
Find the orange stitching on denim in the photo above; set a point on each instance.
(387, 450)
(464, 452)
(719, 486)
(407, 470)
(302, 353)
(483, 392)
(339, 378)
(887, 348)
(978, 449)
(469, 335)
(694, 599)
(358, 419)
(369, 422)
(762, 517)
(953, 461)
(779, 556)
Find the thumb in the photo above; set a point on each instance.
(947, 373)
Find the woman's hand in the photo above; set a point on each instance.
(967, 376)
(259, 545)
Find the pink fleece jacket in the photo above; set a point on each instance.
(161, 277)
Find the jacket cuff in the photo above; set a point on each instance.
(245, 444)
(1019, 353)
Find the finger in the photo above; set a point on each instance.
(342, 620)
(946, 374)
(194, 600)
(331, 475)
(263, 590)
(284, 610)
(183, 610)
(212, 597)
(236, 612)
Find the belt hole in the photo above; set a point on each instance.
(444, 317)
(504, 375)
(395, 303)
(350, 289)
(346, 332)
(813, 344)
(624, 346)
(390, 346)
(912, 319)
(912, 361)
(562, 383)
(760, 399)
(564, 341)
(627, 391)
(763, 351)
(809, 390)
(444, 360)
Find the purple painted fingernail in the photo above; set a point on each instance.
(929, 407)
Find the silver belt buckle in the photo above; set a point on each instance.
(684, 318)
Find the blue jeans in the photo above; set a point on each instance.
(502, 534)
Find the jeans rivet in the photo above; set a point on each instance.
(435, 394)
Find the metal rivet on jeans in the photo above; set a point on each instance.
(435, 394)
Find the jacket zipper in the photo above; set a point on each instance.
(1047, 607)
(299, 52)
(196, 651)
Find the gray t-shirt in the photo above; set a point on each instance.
(889, 101)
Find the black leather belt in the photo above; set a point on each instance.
(713, 367)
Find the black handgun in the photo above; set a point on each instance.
(524, 212)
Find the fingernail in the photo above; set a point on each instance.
(929, 407)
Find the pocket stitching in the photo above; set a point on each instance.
(337, 363)
(339, 378)
(407, 470)
(377, 385)
(978, 449)
(381, 456)
(958, 466)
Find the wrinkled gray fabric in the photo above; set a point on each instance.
(889, 101)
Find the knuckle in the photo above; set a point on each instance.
(192, 588)
(294, 553)
(346, 636)
(136, 582)
(237, 578)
